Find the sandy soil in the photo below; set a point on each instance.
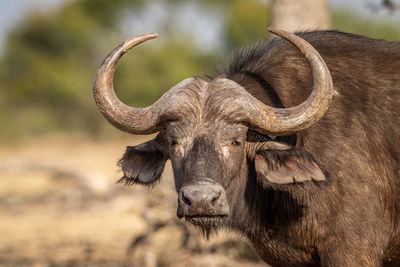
(60, 206)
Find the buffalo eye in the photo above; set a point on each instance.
(173, 143)
(236, 143)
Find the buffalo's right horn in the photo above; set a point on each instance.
(126, 118)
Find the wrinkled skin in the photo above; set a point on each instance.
(207, 148)
(327, 196)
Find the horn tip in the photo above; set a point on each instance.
(276, 31)
(132, 42)
(152, 35)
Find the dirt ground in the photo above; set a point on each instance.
(60, 206)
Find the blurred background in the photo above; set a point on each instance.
(59, 204)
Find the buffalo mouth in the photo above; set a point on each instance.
(209, 221)
(206, 223)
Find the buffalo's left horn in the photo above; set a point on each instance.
(286, 121)
(126, 118)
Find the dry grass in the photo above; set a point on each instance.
(59, 206)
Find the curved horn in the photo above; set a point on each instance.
(126, 118)
(286, 121)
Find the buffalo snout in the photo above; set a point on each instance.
(202, 200)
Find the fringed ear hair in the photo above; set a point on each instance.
(142, 164)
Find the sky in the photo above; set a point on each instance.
(13, 11)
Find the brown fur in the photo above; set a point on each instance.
(349, 215)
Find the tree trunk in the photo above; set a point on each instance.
(300, 15)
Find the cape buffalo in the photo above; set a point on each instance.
(299, 151)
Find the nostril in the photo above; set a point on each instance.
(186, 200)
(214, 200)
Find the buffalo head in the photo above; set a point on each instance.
(214, 131)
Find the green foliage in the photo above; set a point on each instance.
(46, 72)
(105, 12)
(245, 22)
(155, 71)
(49, 61)
(349, 22)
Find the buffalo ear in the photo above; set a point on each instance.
(142, 164)
(278, 167)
